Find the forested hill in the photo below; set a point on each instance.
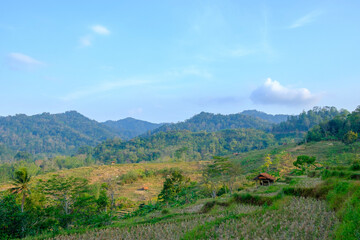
(344, 127)
(182, 145)
(215, 122)
(304, 121)
(51, 133)
(129, 128)
(277, 118)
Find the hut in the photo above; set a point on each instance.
(265, 179)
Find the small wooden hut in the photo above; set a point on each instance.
(265, 179)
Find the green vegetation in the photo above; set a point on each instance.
(278, 118)
(51, 133)
(215, 122)
(344, 127)
(161, 189)
(129, 128)
(182, 146)
(297, 126)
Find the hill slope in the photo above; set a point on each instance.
(277, 118)
(182, 145)
(129, 128)
(215, 122)
(51, 133)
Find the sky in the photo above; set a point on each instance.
(165, 61)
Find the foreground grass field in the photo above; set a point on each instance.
(324, 204)
(288, 217)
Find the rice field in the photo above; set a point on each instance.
(298, 218)
(301, 218)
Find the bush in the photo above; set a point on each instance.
(355, 166)
(165, 211)
(253, 200)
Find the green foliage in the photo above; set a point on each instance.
(210, 122)
(254, 200)
(182, 144)
(344, 127)
(306, 120)
(64, 190)
(21, 182)
(129, 128)
(24, 156)
(174, 186)
(222, 172)
(11, 218)
(51, 133)
(350, 137)
(278, 118)
(304, 162)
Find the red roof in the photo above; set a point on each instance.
(265, 176)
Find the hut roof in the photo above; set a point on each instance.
(264, 176)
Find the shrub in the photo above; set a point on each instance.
(253, 200)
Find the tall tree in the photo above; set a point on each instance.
(21, 182)
(64, 190)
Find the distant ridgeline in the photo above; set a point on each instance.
(52, 134)
(215, 122)
(129, 128)
(47, 135)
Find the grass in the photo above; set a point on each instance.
(133, 190)
(300, 207)
(300, 218)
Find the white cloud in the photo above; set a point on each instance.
(308, 18)
(19, 61)
(85, 41)
(272, 92)
(98, 29)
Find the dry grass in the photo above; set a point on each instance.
(100, 174)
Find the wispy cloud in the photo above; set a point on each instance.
(85, 41)
(99, 29)
(272, 92)
(308, 18)
(19, 61)
(103, 87)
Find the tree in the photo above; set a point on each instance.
(268, 162)
(350, 137)
(64, 189)
(21, 182)
(304, 162)
(11, 219)
(174, 184)
(25, 156)
(221, 171)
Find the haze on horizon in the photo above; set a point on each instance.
(164, 61)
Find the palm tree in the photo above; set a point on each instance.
(21, 184)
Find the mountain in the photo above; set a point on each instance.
(278, 118)
(215, 122)
(51, 133)
(129, 128)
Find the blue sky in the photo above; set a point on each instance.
(164, 61)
